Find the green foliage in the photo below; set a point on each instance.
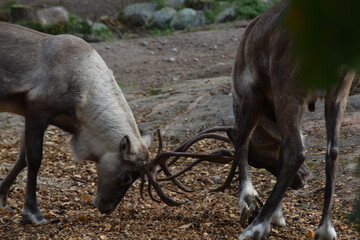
(211, 13)
(248, 9)
(326, 38)
(160, 4)
(76, 25)
(103, 33)
(72, 26)
(162, 31)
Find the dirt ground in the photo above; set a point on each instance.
(65, 192)
(66, 188)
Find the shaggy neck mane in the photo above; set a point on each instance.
(105, 115)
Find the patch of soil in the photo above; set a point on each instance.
(152, 62)
(65, 192)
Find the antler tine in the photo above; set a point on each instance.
(219, 156)
(151, 194)
(183, 147)
(166, 170)
(148, 170)
(142, 183)
(160, 148)
(171, 177)
(187, 168)
(225, 157)
(186, 145)
(166, 199)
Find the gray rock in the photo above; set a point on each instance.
(229, 14)
(52, 15)
(40, 15)
(216, 179)
(97, 26)
(354, 103)
(163, 17)
(186, 107)
(138, 14)
(225, 4)
(187, 18)
(23, 14)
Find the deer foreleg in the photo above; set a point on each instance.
(5, 184)
(35, 126)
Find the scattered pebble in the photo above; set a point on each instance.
(216, 179)
(170, 59)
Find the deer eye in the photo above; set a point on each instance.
(126, 178)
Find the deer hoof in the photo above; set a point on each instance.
(325, 232)
(3, 202)
(35, 218)
(3, 205)
(278, 218)
(249, 204)
(259, 231)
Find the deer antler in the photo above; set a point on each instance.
(219, 156)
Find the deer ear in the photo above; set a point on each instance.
(125, 147)
(148, 138)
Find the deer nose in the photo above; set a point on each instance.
(104, 207)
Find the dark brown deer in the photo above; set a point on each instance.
(266, 89)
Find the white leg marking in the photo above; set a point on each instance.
(29, 217)
(329, 148)
(258, 231)
(278, 218)
(249, 203)
(326, 232)
(247, 192)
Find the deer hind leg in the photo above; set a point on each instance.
(335, 105)
(245, 122)
(11, 176)
(293, 155)
(35, 126)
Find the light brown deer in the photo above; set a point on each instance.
(266, 89)
(62, 81)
